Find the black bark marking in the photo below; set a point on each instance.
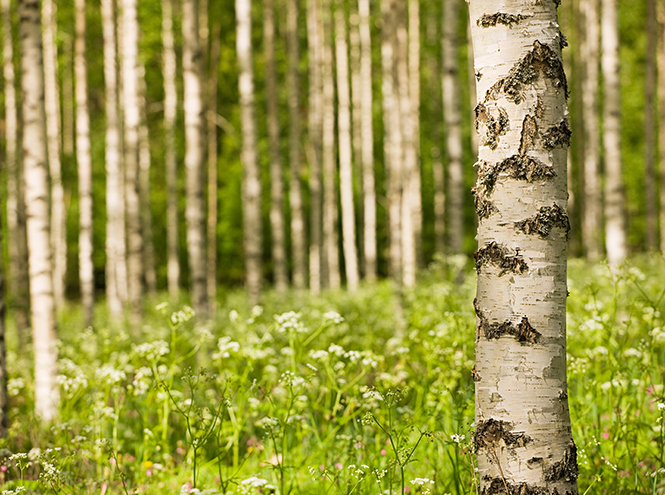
(563, 41)
(500, 256)
(488, 20)
(523, 331)
(490, 432)
(484, 207)
(541, 61)
(495, 126)
(497, 486)
(566, 469)
(529, 134)
(557, 135)
(540, 108)
(547, 218)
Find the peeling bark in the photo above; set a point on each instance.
(542, 223)
(494, 254)
(488, 20)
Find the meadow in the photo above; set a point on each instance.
(365, 393)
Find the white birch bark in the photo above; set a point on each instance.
(170, 160)
(145, 163)
(592, 213)
(129, 54)
(251, 184)
(345, 165)
(298, 239)
(392, 140)
(650, 127)
(523, 438)
(116, 267)
(193, 105)
(276, 178)
(453, 121)
(68, 96)
(661, 133)
(414, 96)
(52, 107)
(35, 167)
(367, 143)
(315, 130)
(212, 168)
(615, 209)
(330, 249)
(17, 277)
(84, 165)
(439, 202)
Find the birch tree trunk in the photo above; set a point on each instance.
(116, 267)
(4, 396)
(453, 122)
(251, 184)
(367, 143)
(212, 168)
(661, 130)
(276, 179)
(84, 165)
(17, 246)
(615, 222)
(523, 438)
(408, 155)
(148, 253)
(330, 248)
(414, 96)
(345, 165)
(129, 46)
(439, 202)
(315, 130)
(650, 127)
(35, 166)
(592, 213)
(392, 141)
(68, 96)
(170, 160)
(52, 107)
(298, 238)
(193, 104)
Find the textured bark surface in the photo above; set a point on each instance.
(367, 143)
(615, 203)
(592, 213)
(35, 167)
(17, 277)
(345, 165)
(52, 108)
(330, 215)
(84, 165)
(453, 121)
(170, 159)
(116, 267)
(523, 436)
(315, 130)
(251, 184)
(276, 178)
(129, 50)
(298, 235)
(194, 146)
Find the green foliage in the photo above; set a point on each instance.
(344, 394)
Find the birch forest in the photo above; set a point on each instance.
(240, 242)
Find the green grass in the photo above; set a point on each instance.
(343, 393)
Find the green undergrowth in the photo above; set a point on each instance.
(364, 393)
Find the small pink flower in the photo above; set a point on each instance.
(649, 390)
(322, 467)
(112, 461)
(149, 472)
(339, 465)
(383, 451)
(606, 435)
(3, 468)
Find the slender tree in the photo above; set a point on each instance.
(84, 164)
(251, 184)
(67, 94)
(276, 179)
(330, 215)
(615, 207)
(170, 160)
(414, 96)
(650, 127)
(52, 106)
(116, 267)
(523, 439)
(345, 165)
(315, 130)
(298, 239)
(453, 122)
(367, 142)
(4, 396)
(17, 245)
(35, 166)
(439, 201)
(661, 130)
(131, 113)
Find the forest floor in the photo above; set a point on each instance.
(361, 393)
